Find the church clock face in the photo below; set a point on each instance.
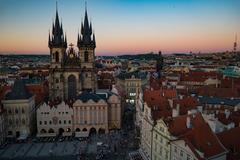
(71, 55)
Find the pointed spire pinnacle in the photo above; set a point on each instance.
(57, 38)
(82, 28)
(94, 41)
(90, 30)
(49, 38)
(65, 37)
(85, 6)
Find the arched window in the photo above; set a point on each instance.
(10, 122)
(23, 121)
(72, 87)
(57, 56)
(86, 56)
(16, 111)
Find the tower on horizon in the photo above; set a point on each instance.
(235, 44)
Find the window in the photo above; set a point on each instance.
(40, 122)
(69, 121)
(188, 157)
(175, 149)
(181, 153)
(166, 155)
(23, 121)
(60, 122)
(57, 56)
(160, 151)
(9, 111)
(64, 121)
(86, 56)
(50, 122)
(23, 111)
(16, 111)
(10, 122)
(45, 122)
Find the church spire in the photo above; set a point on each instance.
(57, 32)
(86, 37)
(49, 38)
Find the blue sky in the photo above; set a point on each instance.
(123, 26)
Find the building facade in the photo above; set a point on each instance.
(54, 119)
(90, 113)
(3, 125)
(20, 111)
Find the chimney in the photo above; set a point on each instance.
(200, 109)
(235, 109)
(180, 96)
(227, 113)
(175, 111)
(188, 122)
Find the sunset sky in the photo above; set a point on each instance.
(123, 26)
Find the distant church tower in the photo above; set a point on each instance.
(86, 44)
(70, 72)
(235, 44)
(159, 65)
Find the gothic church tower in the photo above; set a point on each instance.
(57, 44)
(86, 44)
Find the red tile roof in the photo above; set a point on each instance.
(230, 139)
(200, 135)
(3, 91)
(158, 103)
(185, 104)
(217, 92)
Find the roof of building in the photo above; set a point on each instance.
(18, 91)
(217, 92)
(158, 103)
(218, 100)
(230, 139)
(99, 95)
(199, 135)
(136, 74)
(185, 104)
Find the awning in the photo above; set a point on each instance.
(22, 137)
(46, 135)
(81, 134)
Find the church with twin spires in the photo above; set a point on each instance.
(76, 107)
(71, 72)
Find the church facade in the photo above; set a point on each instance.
(71, 72)
(76, 106)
